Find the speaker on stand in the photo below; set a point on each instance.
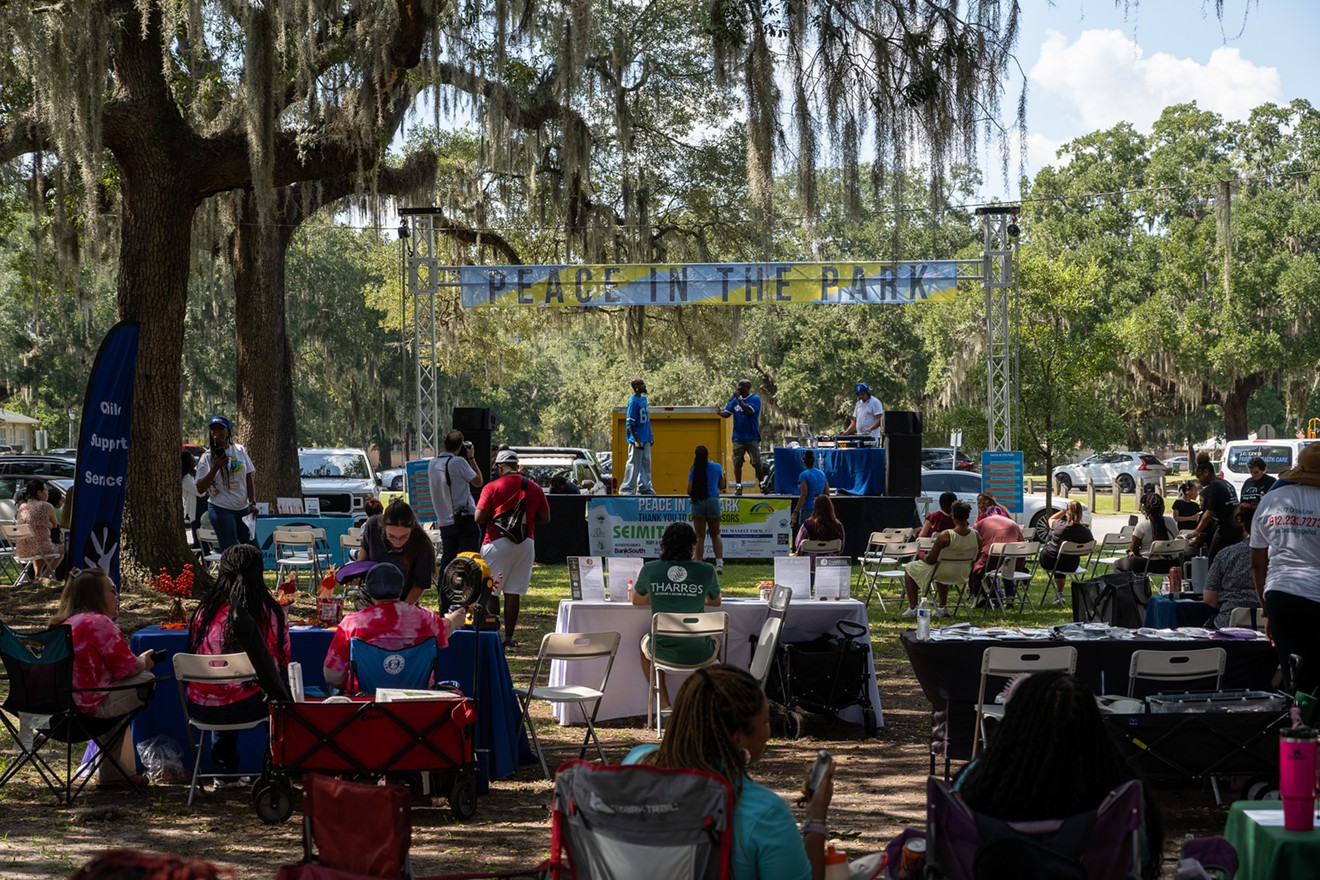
(902, 453)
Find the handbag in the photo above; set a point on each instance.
(1118, 599)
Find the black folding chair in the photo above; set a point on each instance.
(40, 671)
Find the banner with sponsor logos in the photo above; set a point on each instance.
(625, 525)
(728, 284)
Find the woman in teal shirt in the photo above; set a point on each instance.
(705, 482)
(721, 724)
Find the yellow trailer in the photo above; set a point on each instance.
(678, 431)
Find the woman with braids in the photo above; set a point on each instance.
(720, 724)
(1052, 732)
(240, 585)
(396, 536)
(705, 482)
(1157, 526)
(676, 583)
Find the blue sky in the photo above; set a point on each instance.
(1090, 66)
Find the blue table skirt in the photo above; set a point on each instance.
(852, 471)
(500, 741)
(335, 528)
(1165, 613)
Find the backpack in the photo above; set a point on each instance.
(511, 523)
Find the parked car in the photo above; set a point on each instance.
(6, 450)
(391, 480)
(1279, 455)
(38, 466)
(1034, 518)
(9, 487)
(1176, 465)
(602, 480)
(342, 479)
(543, 467)
(1128, 470)
(940, 458)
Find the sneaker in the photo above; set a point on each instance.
(1058, 599)
(232, 783)
(719, 566)
(942, 611)
(738, 491)
(910, 613)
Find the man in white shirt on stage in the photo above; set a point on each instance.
(868, 413)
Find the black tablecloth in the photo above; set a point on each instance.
(950, 674)
(566, 533)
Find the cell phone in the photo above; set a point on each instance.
(157, 656)
(819, 768)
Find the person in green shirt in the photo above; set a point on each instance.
(678, 584)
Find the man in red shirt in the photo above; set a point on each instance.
(510, 560)
(387, 623)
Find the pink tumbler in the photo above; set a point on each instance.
(1297, 768)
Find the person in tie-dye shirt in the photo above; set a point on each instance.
(388, 623)
(102, 659)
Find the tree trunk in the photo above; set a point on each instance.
(267, 424)
(1235, 406)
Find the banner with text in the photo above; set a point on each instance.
(728, 284)
(752, 528)
(101, 482)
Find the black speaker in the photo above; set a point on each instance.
(473, 418)
(903, 465)
(898, 421)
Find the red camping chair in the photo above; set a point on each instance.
(353, 830)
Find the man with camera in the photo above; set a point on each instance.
(449, 476)
(224, 475)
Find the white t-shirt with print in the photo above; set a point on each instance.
(1288, 523)
(229, 491)
(865, 412)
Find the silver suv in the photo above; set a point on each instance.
(341, 478)
(1128, 470)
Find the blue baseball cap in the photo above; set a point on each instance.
(384, 581)
(222, 422)
(862, 386)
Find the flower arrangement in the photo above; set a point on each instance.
(177, 587)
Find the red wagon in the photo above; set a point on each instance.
(369, 739)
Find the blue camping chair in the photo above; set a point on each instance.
(371, 668)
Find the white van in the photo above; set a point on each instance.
(1279, 456)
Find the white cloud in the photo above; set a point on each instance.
(1104, 78)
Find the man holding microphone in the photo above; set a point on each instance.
(745, 409)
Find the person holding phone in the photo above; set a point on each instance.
(721, 725)
(225, 474)
(102, 659)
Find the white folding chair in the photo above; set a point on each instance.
(706, 624)
(569, 647)
(12, 534)
(349, 543)
(1201, 664)
(1110, 550)
(299, 549)
(1080, 549)
(945, 574)
(1004, 662)
(870, 564)
(1166, 551)
(767, 641)
(1009, 554)
(820, 548)
(7, 556)
(211, 669)
(1248, 618)
(210, 547)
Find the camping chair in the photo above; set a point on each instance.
(1002, 662)
(299, 549)
(569, 647)
(210, 547)
(1201, 664)
(371, 668)
(12, 534)
(1082, 550)
(354, 830)
(1008, 554)
(895, 555)
(706, 624)
(767, 641)
(1100, 844)
(949, 559)
(211, 669)
(604, 827)
(40, 670)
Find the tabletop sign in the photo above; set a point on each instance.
(289, 506)
(794, 572)
(832, 576)
(586, 577)
(311, 506)
(1001, 476)
(623, 572)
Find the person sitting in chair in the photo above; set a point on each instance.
(678, 584)
(1052, 731)
(918, 574)
(388, 622)
(102, 659)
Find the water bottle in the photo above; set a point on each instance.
(1297, 766)
(836, 864)
(923, 619)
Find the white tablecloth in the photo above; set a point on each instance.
(626, 692)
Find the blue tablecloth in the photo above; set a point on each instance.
(852, 471)
(1165, 613)
(501, 742)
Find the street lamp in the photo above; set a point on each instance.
(71, 440)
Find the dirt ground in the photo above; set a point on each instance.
(879, 787)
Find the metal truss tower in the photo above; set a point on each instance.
(999, 224)
(424, 276)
